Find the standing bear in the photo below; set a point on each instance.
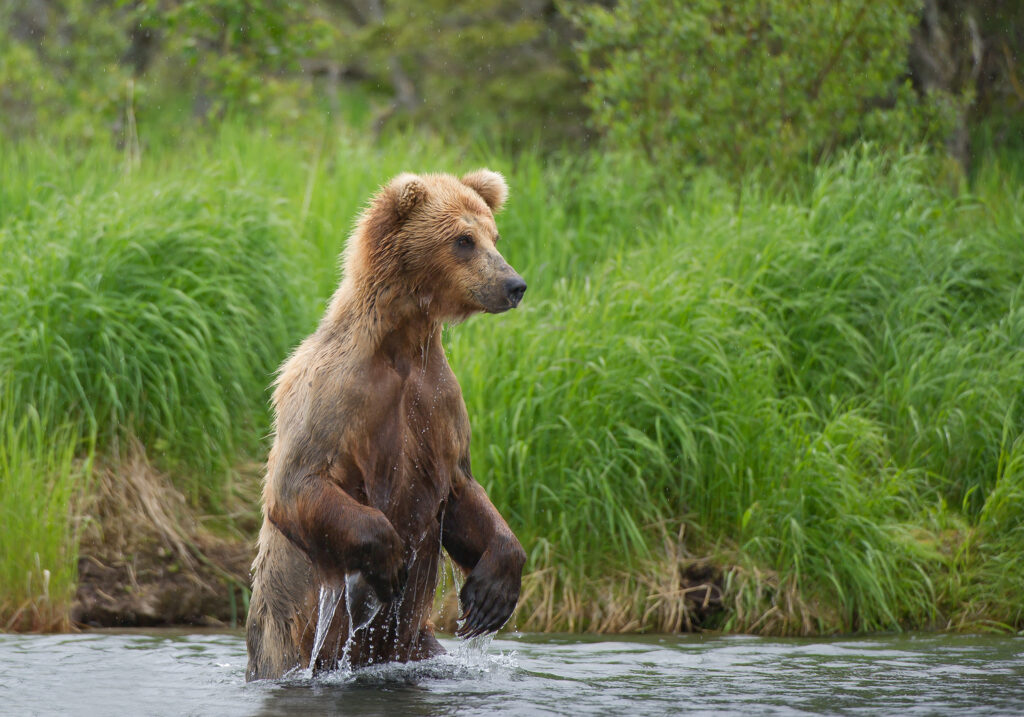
(370, 472)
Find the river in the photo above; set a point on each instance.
(176, 673)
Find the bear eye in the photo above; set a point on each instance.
(464, 242)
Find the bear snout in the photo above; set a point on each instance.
(514, 290)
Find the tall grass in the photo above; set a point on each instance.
(993, 581)
(821, 386)
(819, 391)
(156, 309)
(39, 481)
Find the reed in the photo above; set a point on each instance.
(155, 310)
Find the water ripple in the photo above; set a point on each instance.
(166, 673)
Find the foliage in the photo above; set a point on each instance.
(60, 67)
(463, 65)
(89, 68)
(739, 85)
(735, 85)
(233, 54)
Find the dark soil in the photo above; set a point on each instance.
(147, 558)
(152, 587)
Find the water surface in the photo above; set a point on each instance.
(105, 673)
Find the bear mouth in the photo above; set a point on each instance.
(490, 303)
(498, 305)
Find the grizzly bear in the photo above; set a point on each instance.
(369, 472)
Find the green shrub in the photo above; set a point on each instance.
(230, 55)
(487, 64)
(62, 70)
(743, 84)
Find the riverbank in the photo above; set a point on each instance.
(147, 560)
(739, 408)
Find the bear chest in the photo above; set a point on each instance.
(418, 442)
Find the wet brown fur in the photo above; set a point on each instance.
(370, 467)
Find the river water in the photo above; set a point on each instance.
(112, 673)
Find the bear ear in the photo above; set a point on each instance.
(490, 186)
(397, 199)
(392, 205)
(407, 191)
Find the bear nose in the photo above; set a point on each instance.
(514, 289)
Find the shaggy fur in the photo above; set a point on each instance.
(370, 467)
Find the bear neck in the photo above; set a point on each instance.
(381, 320)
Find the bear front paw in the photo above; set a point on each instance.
(382, 559)
(491, 592)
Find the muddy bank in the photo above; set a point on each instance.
(146, 559)
(150, 588)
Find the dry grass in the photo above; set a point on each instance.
(133, 503)
(149, 555)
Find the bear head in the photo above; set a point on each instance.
(431, 239)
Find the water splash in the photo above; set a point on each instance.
(361, 606)
(465, 660)
(361, 602)
(329, 597)
(473, 652)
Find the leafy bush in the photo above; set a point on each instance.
(473, 66)
(230, 54)
(742, 84)
(60, 68)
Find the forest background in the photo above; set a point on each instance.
(768, 374)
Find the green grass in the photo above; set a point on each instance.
(39, 481)
(822, 386)
(155, 309)
(819, 390)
